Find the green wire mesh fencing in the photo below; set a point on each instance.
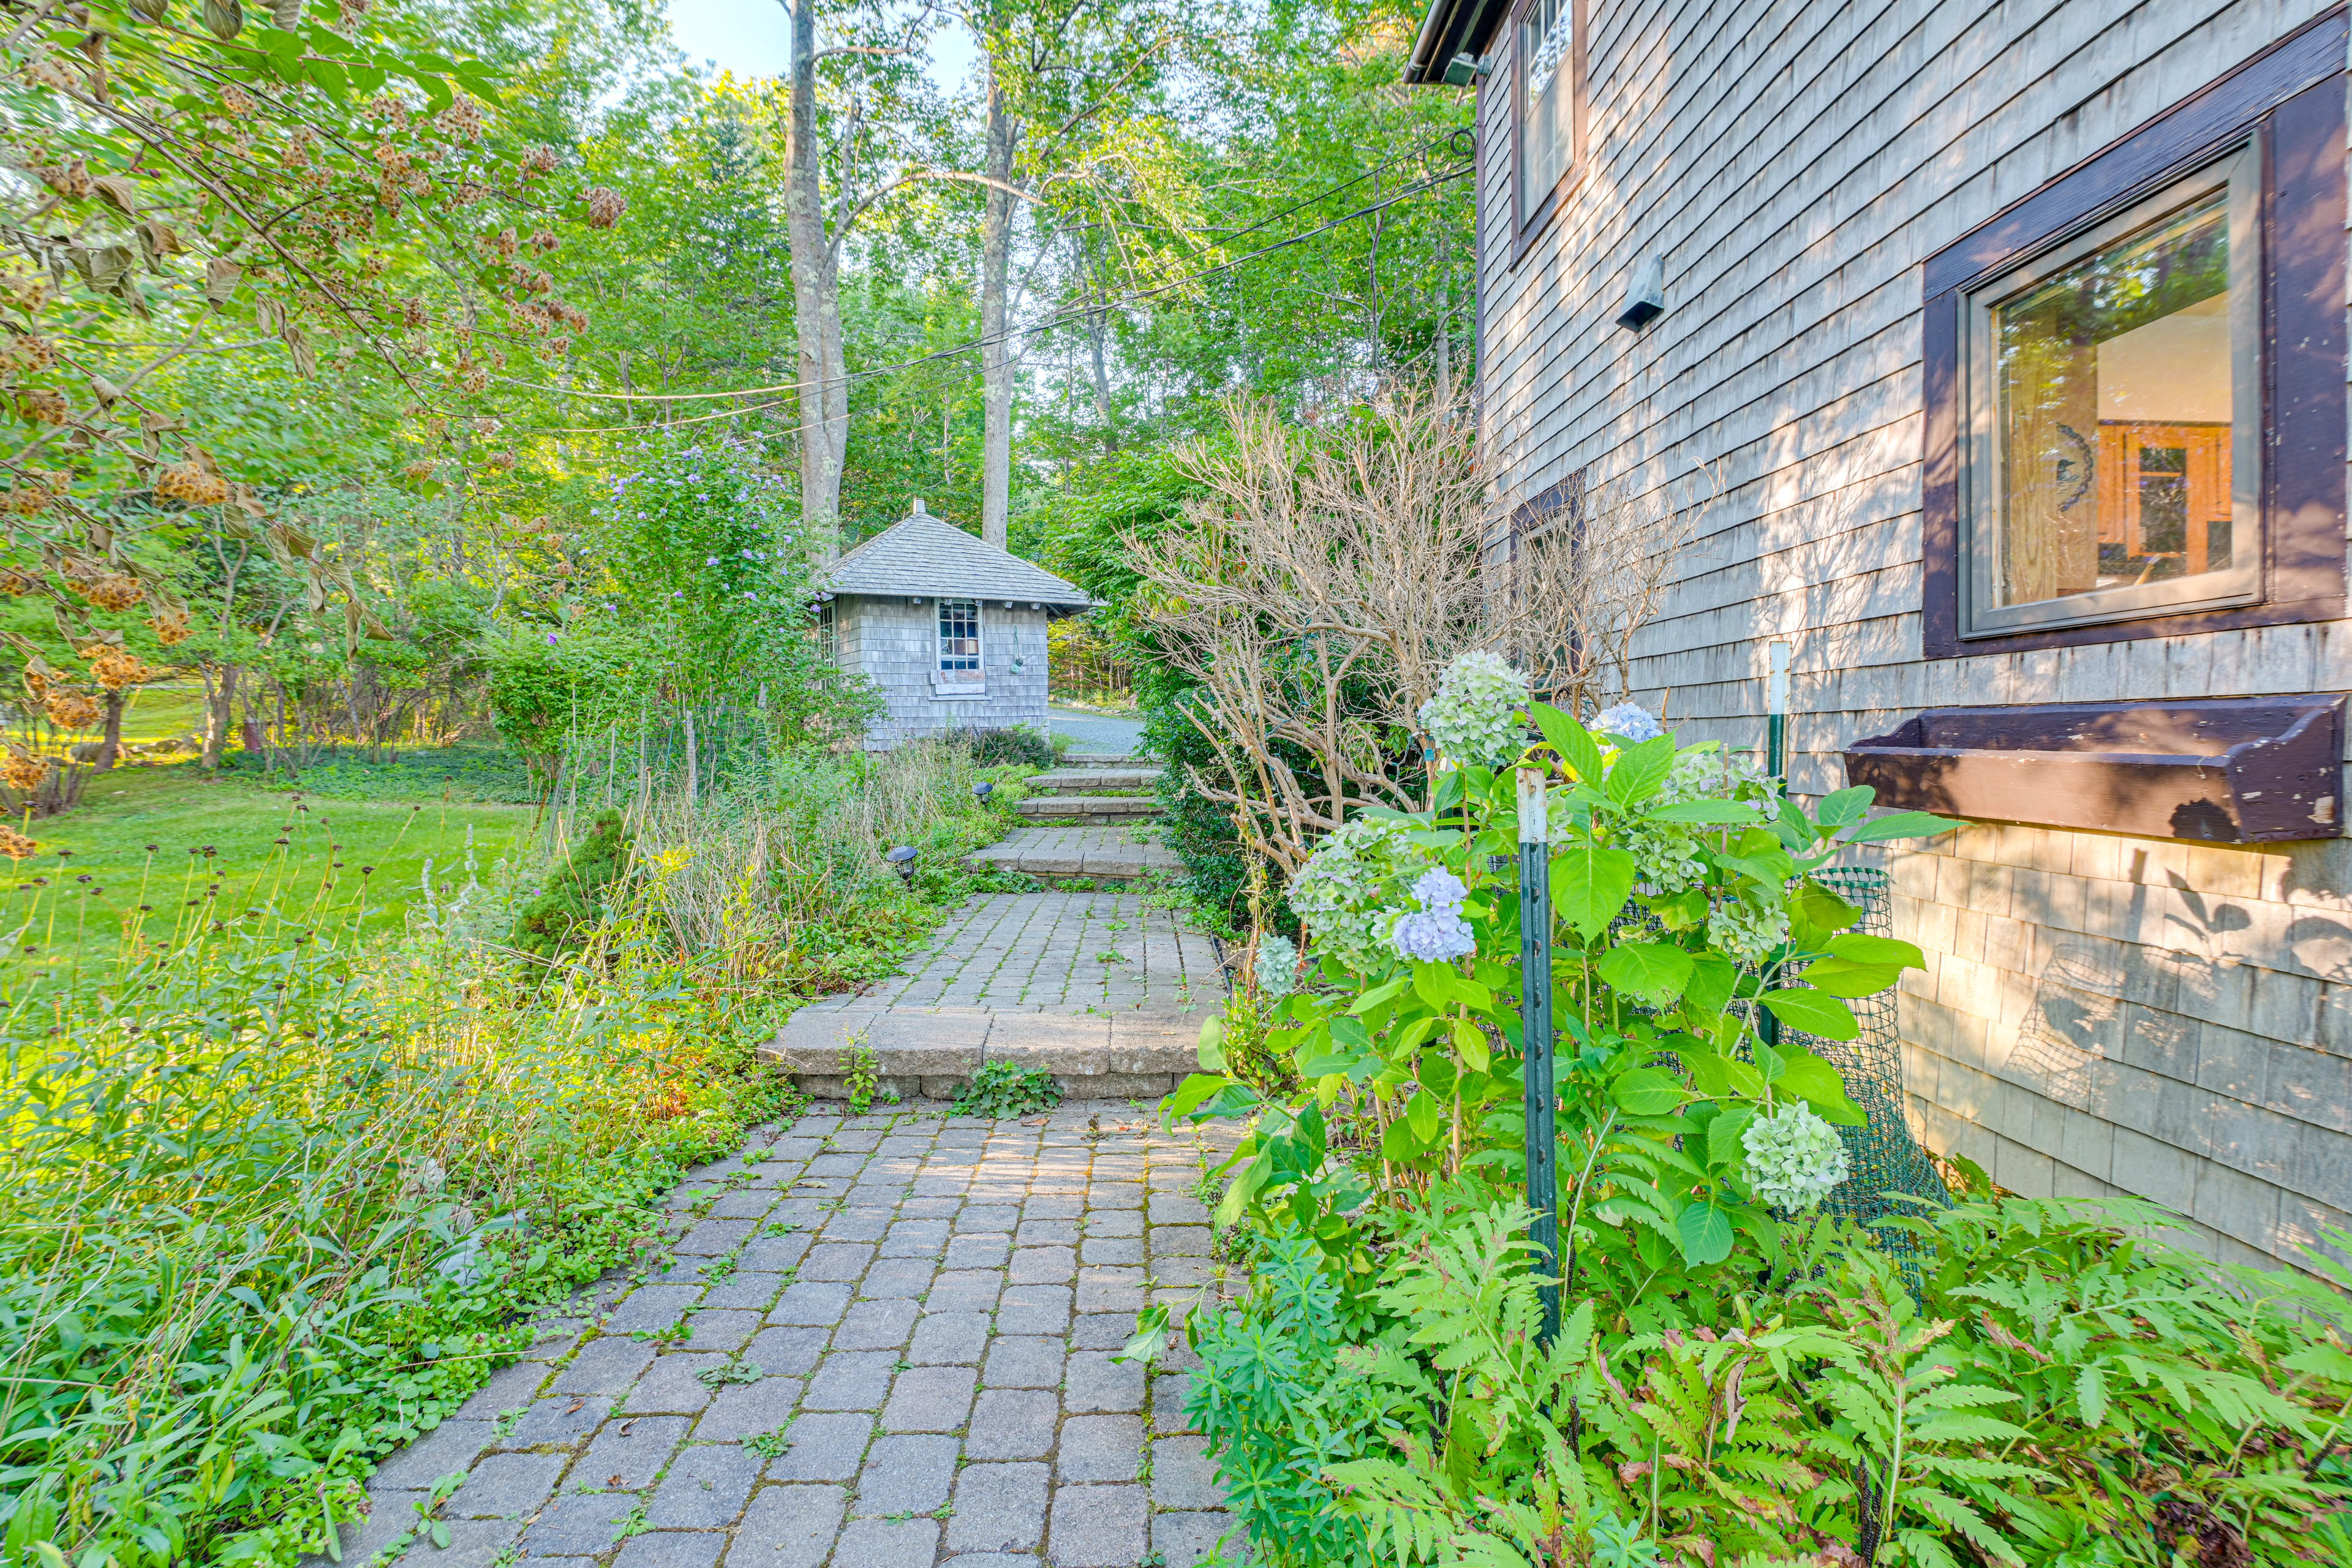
(1884, 1156)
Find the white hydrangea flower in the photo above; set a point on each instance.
(1475, 717)
(1346, 894)
(1629, 722)
(1276, 966)
(1745, 933)
(1666, 856)
(1708, 772)
(1794, 1158)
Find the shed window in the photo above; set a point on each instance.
(1550, 61)
(2115, 460)
(960, 638)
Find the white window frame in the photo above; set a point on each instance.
(952, 675)
(1982, 467)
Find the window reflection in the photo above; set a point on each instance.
(2115, 382)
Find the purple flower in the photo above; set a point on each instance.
(551, 639)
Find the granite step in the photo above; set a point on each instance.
(934, 1051)
(1094, 781)
(1089, 808)
(1063, 854)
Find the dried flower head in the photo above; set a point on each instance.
(23, 291)
(471, 377)
(171, 626)
(604, 207)
(545, 240)
(27, 351)
(15, 846)
(237, 102)
(26, 501)
(69, 180)
(45, 70)
(44, 406)
(72, 710)
(470, 194)
(117, 668)
(21, 770)
(18, 583)
(110, 590)
(190, 484)
(463, 119)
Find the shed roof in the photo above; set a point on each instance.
(923, 553)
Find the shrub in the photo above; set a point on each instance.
(1021, 746)
(554, 923)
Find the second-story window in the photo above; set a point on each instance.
(1548, 62)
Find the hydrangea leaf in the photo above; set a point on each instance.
(1723, 1144)
(1656, 972)
(1818, 1085)
(1638, 770)
(1866, 949)
(1841, 806)
(1901, 825)
(1814, 1012)
(1843, 977)
(1575, 745)
(1590, 884)
(1647, 1091)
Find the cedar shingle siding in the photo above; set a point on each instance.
(885, 614)
(2100, 1012)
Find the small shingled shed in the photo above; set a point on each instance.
(950, 628)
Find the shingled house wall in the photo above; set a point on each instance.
(2100, 1013)
(896, 644)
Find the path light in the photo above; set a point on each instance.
(982, 789)
(903, 857)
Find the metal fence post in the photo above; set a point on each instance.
(1536, 1037)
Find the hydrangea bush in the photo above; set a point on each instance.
(1684, 911)
(1737, 1378)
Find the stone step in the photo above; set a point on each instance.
(1063, 854)
(1094, 781)
(1092, 808)
(1101, 760)
(934, 1051)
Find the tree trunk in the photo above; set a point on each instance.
(820, 370)
(996, 351)
(220, 699)
(110, 747)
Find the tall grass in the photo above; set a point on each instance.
(276, 1195)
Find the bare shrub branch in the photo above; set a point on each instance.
(1319, 591)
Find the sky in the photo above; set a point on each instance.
(749, 37)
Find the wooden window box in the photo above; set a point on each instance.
(2250, 770)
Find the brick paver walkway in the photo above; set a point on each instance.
(877, 1343)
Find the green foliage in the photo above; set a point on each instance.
(1022, 747)
(861, 1075)
(1001, 1088)
(260, 1233)
(575, 900)
(452, 773)
(1832, 1418)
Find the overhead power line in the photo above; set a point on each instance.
(790, 390)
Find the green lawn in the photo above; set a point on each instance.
(140, 836)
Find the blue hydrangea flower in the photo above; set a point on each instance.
(1439, 889)
(1435, 936)
(1628, 721)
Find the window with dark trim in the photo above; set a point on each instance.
(1547, 107)
(2135, 379)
